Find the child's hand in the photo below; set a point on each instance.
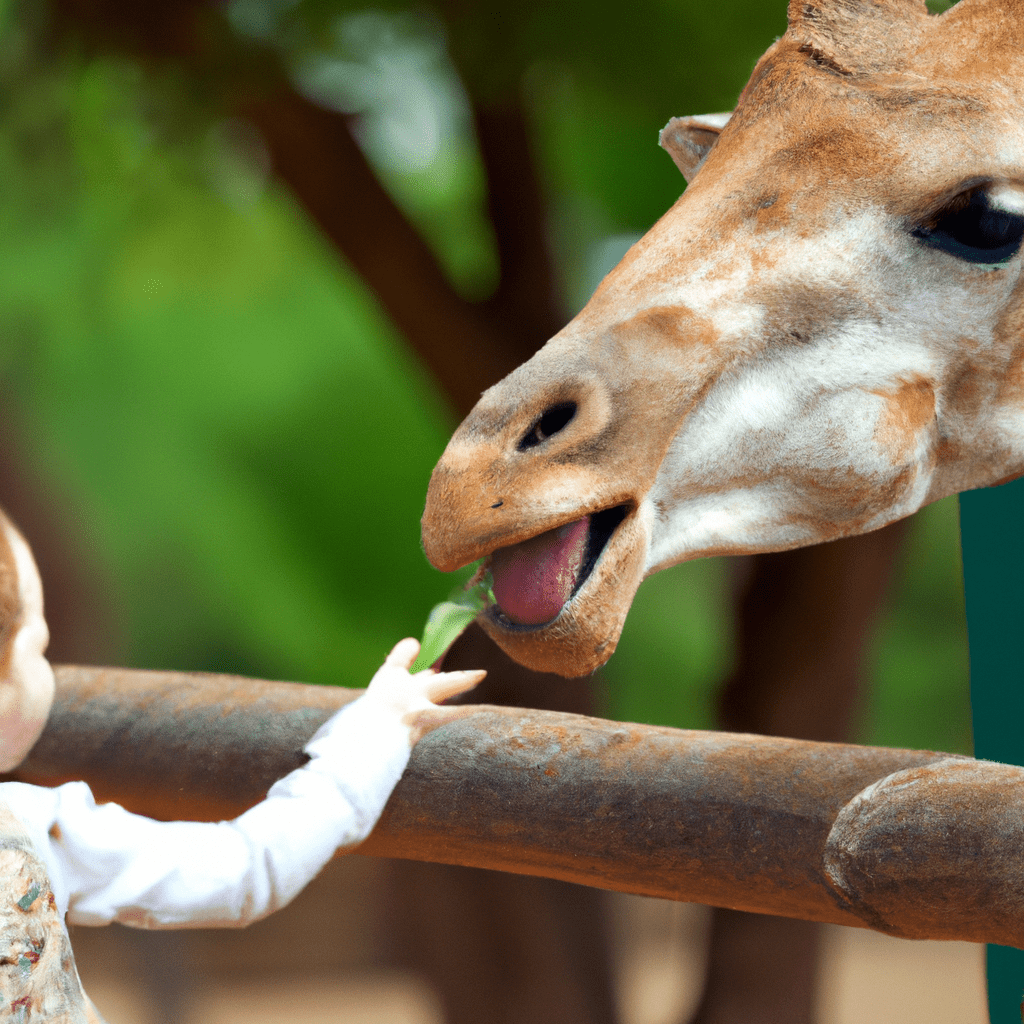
(413, 698)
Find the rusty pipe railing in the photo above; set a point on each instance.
(912, 843)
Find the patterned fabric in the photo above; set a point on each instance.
(39, 982)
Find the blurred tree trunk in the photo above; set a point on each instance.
(805, 620)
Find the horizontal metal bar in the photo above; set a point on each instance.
(912, 843)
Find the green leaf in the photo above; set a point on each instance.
(450, 618)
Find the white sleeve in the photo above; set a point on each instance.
(116, 866)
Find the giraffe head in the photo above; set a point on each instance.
(823, 334)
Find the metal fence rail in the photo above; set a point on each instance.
(912, 843)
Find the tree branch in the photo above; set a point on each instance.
(526, 302)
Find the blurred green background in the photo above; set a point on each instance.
(234, 436)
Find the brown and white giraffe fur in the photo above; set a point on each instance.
(779, 361)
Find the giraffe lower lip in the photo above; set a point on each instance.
(535, 579)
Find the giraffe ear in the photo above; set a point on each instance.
(689, 140)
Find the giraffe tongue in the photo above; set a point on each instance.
(532, 580)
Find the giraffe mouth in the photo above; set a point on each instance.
(535, 579)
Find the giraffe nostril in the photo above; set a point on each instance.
(551, 422)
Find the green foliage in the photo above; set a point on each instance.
(919, 696)
(250, 439)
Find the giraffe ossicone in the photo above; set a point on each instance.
(825, 332)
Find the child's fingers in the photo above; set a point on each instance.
(403, 654)
(449, 684)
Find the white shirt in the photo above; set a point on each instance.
(107, 864)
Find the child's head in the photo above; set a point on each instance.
(26, 679)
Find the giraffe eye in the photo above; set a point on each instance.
(973, 229)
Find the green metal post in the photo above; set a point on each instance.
(992, 536)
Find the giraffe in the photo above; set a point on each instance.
(823, 334)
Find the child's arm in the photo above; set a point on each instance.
(115, 866)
